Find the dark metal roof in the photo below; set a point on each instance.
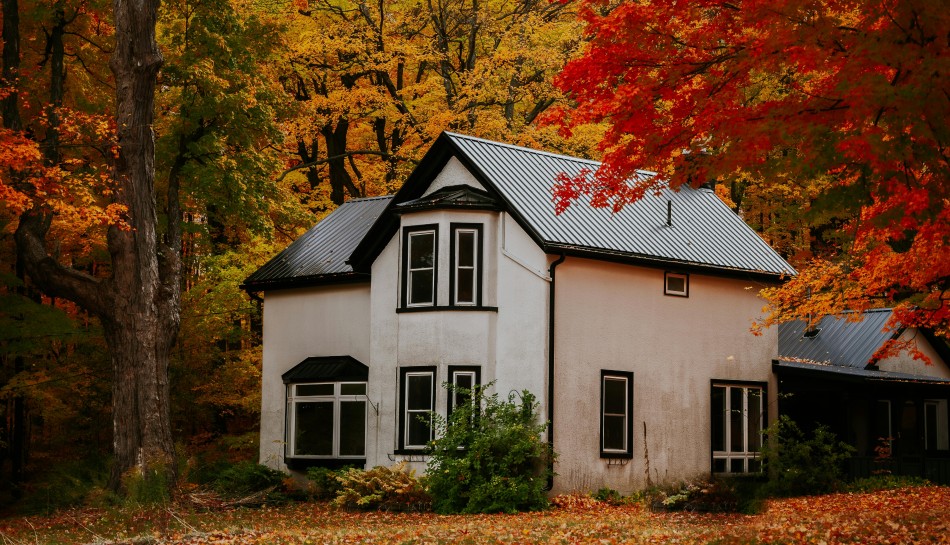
(854, 373)
(839, 342)
(327, 369)
(320, 254)
(456, 197)
(704, 231)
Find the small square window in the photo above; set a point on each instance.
(676, 284)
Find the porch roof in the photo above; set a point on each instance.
(855, 374)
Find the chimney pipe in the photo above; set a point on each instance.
(669, 213)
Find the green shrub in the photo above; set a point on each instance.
(386, 488)
(67, 484)
(149, 487)
(608, 495)
(799, 465)
(246, 478)
(711, 495)
(490, 456)
(886, 482)
(323, 482)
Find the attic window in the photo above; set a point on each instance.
(811, 333)
(676, 284)
(419, 266)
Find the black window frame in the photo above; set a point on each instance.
(454, 229)
(403, 414)
(337, 398)
(453, 370)
(730, 455)
(407, 233)
(666, 284)
(627, 452)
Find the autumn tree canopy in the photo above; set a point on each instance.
(841, 104)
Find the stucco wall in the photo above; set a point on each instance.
(615, 317)
(905, 363)
(299, 323)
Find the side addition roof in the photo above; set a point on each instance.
(842, 347)
(704, 234)
(320, 254)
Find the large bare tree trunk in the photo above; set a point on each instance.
(139, 305)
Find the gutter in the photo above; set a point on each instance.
(551, 291)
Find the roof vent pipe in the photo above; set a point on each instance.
(669, 213)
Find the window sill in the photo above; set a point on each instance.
(330, 463)
(616, 455)
(471, 308)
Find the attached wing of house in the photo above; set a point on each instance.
(632, 328)
(894, 411)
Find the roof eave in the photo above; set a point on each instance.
(661, 263)
(305, 282)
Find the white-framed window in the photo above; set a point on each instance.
(463, 380)
(676, 284)
(936, 435)
(738, 417)
(326, 420)
(466, 264)
(420, 259)
(416, 402)
(616, 414)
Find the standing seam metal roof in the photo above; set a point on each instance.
(324, 249)
(839, 342)
(704, 231)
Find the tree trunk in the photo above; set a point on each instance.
(9, 107)
(139, 305)
(143, 322)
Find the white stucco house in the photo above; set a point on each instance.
(632, 329)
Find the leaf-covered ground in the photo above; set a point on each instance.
(909, 515)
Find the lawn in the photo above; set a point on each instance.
(908, 515)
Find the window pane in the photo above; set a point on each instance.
(463, 381)
(882, 420)
(418, 429)
(466, 249)
(755, 419)
(353, 389)
(737, 465)
(675, 284)
(420, 286)
(719, 465)
(419, 392)
(718, 420)
(421, 246)
(755, 466)
(615, 396)
(930, 425)
(313, 428)
(614, 427)
(352, 428)
(315, 389)
(465, 291)
(735, 420)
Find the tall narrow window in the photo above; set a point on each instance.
(463, 380)
(420, 258)
(616, 414)
(738, 416)
(466, 264)
(327, 420)
(935, 425)
(417, 400)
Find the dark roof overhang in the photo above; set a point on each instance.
(305, 282)
(460, 197)
(822, 371)
(327, 369)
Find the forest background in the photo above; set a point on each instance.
(270, 113)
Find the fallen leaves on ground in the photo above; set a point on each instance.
(909, 515)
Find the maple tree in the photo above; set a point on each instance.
(840, 104)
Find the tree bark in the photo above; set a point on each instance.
(9, 107)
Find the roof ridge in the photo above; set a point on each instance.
(539, 152)
(363, 199)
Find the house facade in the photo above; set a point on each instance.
(631, 328)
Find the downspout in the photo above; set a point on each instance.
(551, 271)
